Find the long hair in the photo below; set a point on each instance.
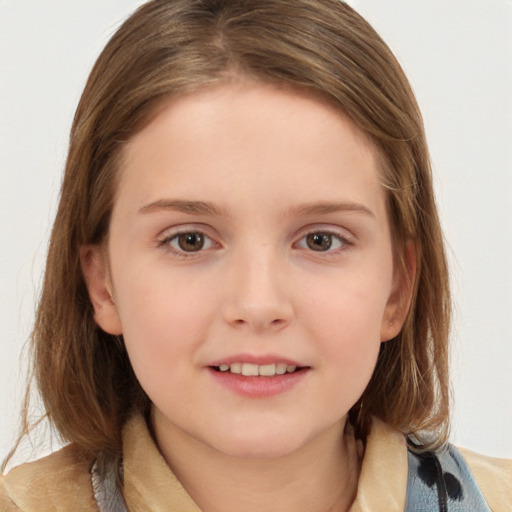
(171, 47)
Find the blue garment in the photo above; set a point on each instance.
(442, 482)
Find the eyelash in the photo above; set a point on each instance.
(344, 242)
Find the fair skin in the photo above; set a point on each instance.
(242, 240)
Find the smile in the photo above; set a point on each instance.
(258, 380)
(255, 370)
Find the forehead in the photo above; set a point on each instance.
(256, 138)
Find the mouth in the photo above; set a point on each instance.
(256, 370)
(258, 376)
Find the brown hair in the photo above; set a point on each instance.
(169, 47)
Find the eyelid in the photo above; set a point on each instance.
(339, 231)
(171, 231)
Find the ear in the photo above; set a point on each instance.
(97, 279)
(400, 298)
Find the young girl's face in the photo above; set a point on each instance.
(249, 235)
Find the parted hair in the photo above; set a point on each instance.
(172, 47)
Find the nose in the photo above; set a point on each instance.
(258, 297)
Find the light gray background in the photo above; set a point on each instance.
(458, 56)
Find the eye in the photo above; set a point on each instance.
(188, 242)
(322, 241)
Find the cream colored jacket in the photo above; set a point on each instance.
(62, 481)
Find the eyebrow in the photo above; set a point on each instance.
(324, 208)
(183, 206)
(207, 208)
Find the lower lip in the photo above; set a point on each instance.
(258, 387)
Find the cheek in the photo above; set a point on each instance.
(346, 320)
(163, 316)
(350, 353)
(350, 306)
(352, 337)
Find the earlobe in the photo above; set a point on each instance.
(400, 299)
(99, 286)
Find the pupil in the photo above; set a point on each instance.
(191, 242)
(319, 241)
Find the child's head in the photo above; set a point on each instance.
(318, 50)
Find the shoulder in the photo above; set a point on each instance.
(494, 477)
(60, 481)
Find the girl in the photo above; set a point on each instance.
(245, 304)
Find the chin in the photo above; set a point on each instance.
(261, 444)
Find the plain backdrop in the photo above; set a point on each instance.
(458, 56)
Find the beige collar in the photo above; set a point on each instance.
(383, 480)
(151, 485)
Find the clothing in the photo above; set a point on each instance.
(62, 481)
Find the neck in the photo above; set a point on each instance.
(321, 476)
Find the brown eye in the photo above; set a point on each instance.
(187, 243)
(319, 241)
(190, 242)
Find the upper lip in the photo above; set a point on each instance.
(260, 360)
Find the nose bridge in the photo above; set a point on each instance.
(257, 294)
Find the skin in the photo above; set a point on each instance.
(255, 289)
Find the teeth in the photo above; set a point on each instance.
(249, 370)
(267, 370)
(253, 370)
(236, 368)
(281, 369)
